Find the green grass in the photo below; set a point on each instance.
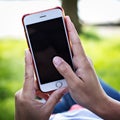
(11, 74)
(103, 51)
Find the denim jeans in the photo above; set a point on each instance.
(67, 100)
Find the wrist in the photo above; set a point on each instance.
(107, 108)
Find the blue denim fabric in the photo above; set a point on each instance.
(110, 91)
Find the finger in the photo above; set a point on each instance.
(55, 98)
(73, 36)
(28, 87)
(77, 48)
(65, 70)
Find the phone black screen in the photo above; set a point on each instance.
(48, 39)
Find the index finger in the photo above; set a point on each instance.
(73, 36)
(28, 87)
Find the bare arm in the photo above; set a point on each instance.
(109, 109)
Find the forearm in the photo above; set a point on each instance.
(108, 109)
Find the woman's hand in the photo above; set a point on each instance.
(83, 83)
(27, 107)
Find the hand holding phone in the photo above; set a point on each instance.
(47, 37)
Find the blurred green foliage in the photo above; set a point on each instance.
(106, 59)
(103, 51)
(11, 74)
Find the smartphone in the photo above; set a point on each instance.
(47, 37)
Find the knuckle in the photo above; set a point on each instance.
(17, 95)
(26, 76)
(19, 98)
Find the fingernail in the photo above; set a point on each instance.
(57, 61)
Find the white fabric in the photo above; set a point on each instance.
(80, 114)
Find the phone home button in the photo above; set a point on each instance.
(59, 84)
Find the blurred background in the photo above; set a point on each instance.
(98, 25)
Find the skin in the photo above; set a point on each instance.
(27, 107)
(83, 86)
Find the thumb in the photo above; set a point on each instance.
(65, 70)
(55, 98)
